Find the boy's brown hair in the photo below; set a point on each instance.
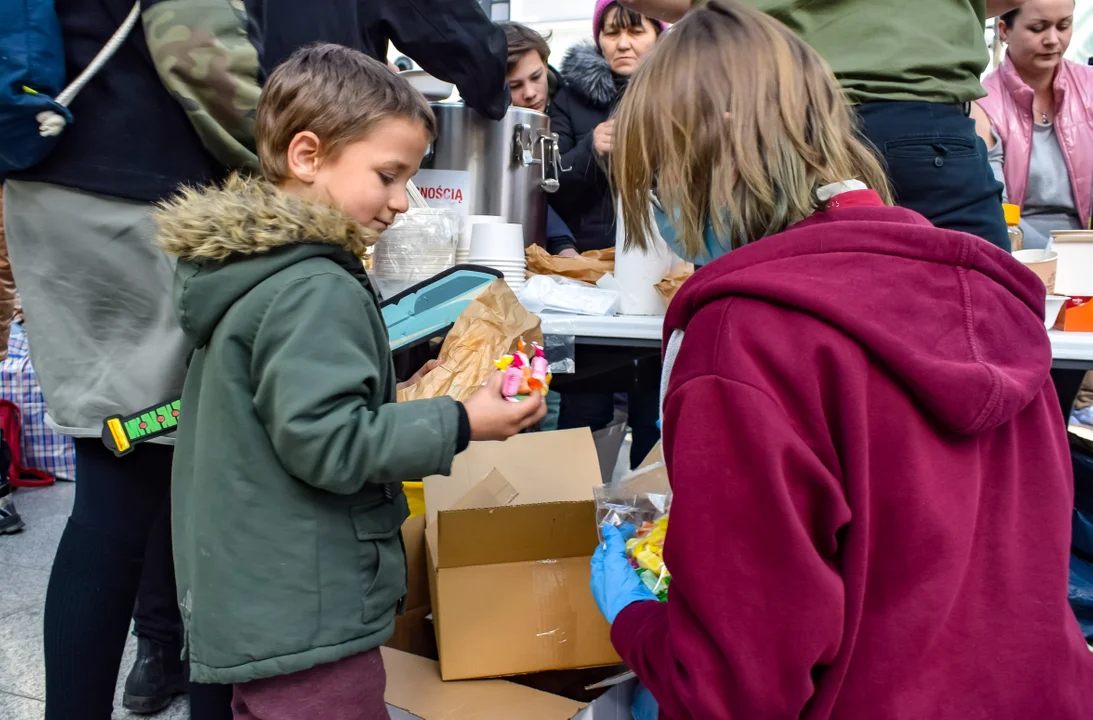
(336, 92)
(523, 40)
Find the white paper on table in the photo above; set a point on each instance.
(552, 293)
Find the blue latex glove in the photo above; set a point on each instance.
(644, 705)
(614, 583)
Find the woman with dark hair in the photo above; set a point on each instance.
(594, 77)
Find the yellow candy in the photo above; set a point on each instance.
(503, 363)
(650, 561)
(656, 537)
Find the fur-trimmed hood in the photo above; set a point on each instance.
(229, 240)
(247, 216)
(587, 74)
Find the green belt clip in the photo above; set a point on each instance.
(122, 433)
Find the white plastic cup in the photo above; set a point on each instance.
(497, 241)
(464, 242)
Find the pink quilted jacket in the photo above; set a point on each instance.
(1009, 106)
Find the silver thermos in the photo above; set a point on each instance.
(506, 167)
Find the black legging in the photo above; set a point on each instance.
(95, 577)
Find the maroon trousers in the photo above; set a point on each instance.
(349, 689)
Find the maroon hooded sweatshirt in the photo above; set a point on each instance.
(872, 486)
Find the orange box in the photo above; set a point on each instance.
(1078, 318)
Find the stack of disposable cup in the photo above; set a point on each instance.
(500, 246)
(463, 246)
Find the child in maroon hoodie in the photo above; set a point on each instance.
(872, 487)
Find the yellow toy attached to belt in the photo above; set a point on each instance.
(122, 433)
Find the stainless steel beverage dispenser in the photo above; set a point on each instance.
(505, 167)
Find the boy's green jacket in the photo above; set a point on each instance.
(286, 491)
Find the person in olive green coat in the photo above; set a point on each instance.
(287, 496)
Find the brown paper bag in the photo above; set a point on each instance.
(673, 281)
(588, 267)
(489, 328)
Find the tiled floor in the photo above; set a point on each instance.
(25, 560)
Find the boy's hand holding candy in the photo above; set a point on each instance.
(492, 417)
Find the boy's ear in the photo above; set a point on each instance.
(304, 156)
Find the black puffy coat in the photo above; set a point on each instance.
(451, 39)
(588, 94)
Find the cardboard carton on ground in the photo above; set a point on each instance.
(509, 538)
(414, 687)
(414, 629)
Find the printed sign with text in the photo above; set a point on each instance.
(450, 189)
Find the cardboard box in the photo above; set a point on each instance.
(655, 455)
(414, 633)
(413, 629)
(414, 685)
(416, 692)
(509, 538)
(417, 567)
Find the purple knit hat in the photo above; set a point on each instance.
(597, 15)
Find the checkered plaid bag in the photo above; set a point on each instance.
(42, 449)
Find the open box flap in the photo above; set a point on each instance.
(655, 455)
(517, 533)
(542, 467)
(414, 685)
(494, 491)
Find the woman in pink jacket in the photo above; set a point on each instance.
(1037, 121)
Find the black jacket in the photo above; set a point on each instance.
(130, 138)
(453, 40)
(588, 94)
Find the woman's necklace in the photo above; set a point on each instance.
(1044, 118)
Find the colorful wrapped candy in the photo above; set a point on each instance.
(646, 554)
(524, 375)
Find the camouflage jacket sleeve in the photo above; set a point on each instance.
(206, 60)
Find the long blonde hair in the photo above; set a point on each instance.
(733, 119)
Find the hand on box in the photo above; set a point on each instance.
(492, 417)
(615, 584)
(425, 370)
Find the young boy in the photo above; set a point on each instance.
(290, 457)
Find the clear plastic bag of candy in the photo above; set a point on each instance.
(642, 500)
